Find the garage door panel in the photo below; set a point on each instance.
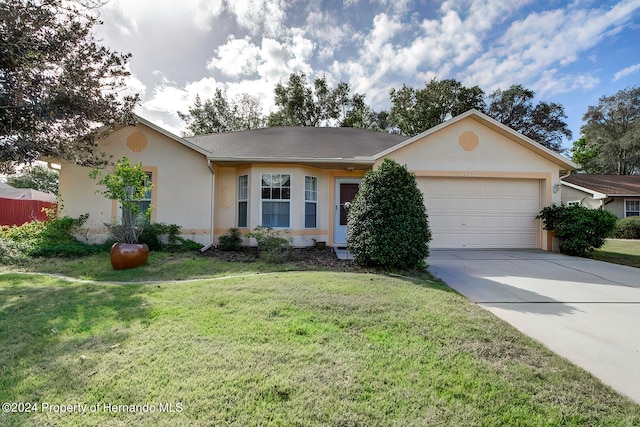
(482, 212)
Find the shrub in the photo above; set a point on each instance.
(231, 240)
(166, 237)
(627, 228)
(580, 230)
(45, 239)
(388, 225)
(274, 247)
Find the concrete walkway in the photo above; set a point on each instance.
(584, 310)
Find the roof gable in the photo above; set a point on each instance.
(494, 125)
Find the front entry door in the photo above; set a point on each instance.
(346, 190)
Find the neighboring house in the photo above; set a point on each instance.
(483, 183)
(619, 194)
(20, 205)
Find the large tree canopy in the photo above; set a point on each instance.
(415, 110)
(304, 103)
(59, 88)
(611, 132)
(219, 114)
(543, 122)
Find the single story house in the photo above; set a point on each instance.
(619, 194)
(483, 182)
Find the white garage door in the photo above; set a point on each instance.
(482, 212)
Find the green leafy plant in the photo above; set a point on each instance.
(627, 228)
(231, 240)
(388, 223)
(274, 247)
(45, 239)
(166, 237)
(580, 230)
(128, 184)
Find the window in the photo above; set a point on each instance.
(310, 202)
(243, 197)
(276, 195)
(574, 203)
(631, 208)
(143, 204)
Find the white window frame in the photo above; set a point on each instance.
(279, 200)
(574, 203)
(311, 197)
(243, 197)
(626, 212)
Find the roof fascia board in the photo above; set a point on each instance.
(355, 160)
(172, 136)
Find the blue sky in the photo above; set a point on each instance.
(570, 52)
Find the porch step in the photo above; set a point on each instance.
(342, 253)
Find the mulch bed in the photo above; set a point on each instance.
(305, 258)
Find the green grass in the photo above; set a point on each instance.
(160, 266)
(288, 348)
(625, 252)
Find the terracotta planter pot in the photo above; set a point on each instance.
(128, 255)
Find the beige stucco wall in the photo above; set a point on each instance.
(448, 153)
(226, 207)
(183, 184)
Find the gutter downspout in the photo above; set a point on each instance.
(212, 207)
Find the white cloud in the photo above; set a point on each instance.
(626, 71)
(236, 57)
(545, 39)
(273, 60)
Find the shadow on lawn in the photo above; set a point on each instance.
(54, 333)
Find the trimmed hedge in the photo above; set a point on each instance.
(627, 228)
(580, 230)
(388, 225)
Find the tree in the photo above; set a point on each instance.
(584, 155)
(415, 110)
(388, 225)
(612, 131)
(543, 122)
(128, 184)
(219, 114)
(304, 103)
(36, 177)
(60, 90)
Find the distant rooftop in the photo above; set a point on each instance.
(611, 185)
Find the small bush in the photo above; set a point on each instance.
(388, 223)
(580, 230)
(44, 239)
(231, 240)
(166, 237)
(273, 247)
(627, 228)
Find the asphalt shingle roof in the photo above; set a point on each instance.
(610, 185)
(296, 143)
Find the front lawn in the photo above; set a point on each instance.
(617, 251)
(285, 348)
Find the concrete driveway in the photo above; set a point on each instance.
(586, 311)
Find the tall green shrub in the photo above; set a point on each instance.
(388, 225)
(580, 230)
